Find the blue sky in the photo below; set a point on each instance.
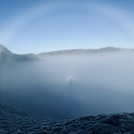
(47, 25)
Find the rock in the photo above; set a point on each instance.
(11, 121)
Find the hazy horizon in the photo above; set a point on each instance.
(74, 49)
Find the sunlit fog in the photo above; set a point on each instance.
(68, 84)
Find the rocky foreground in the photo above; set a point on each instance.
(14, 122)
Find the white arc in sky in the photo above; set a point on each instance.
(13, 27)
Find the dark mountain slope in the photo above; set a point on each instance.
(7, 56)
(14, 122)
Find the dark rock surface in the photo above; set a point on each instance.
(15, 122)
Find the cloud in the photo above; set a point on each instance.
(70, 85)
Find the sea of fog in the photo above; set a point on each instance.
(70, 85)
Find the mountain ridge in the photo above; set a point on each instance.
(3, 49)
(5, 54)
(83, 51)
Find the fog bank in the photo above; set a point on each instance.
(69, 85)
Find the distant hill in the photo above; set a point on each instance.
(82, 51)
(31, 56)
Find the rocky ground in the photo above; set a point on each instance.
(14, 122)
